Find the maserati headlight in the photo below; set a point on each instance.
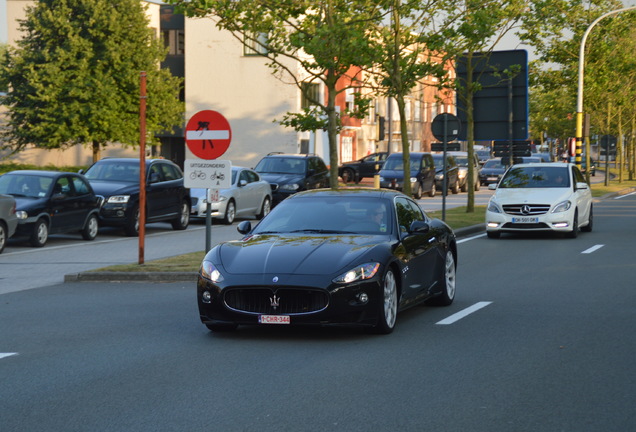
(291, 187)
(361, 272)
(21, 214)
(562, 206)
(209, 271)
(118, 199)
(439, 176)
(494, 207)
(413, 179)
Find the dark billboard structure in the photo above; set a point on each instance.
(501, 106)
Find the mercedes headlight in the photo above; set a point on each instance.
(562, 206)
(493, 207)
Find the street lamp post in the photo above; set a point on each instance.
(579, 98)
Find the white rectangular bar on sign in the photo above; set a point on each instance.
(208, 135)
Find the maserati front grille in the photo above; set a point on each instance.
(282, 301)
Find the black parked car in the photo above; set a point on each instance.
(8, 219)
(422, 174)
(353, 257)
(494, 169)
(452, 173)
(117, 180)
(52, 202)
(291, 173)
(368, 166)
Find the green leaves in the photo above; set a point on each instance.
(74, 77)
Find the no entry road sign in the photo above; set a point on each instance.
(208, 134)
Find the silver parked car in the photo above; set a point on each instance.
(8, 219)
(249, 195)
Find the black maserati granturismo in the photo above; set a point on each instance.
(351, 257)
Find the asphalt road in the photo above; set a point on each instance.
(540, 338)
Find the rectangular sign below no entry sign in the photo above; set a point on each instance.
(207, 174)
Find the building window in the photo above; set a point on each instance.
(350, 99)
(310, 95)
(174, 40)
(255, 44)
(417, 110)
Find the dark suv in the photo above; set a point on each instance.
(368, 166)
(422, 174)
(291, 173)
(117, 180)
(452, 172)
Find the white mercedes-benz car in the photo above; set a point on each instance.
(548, 197)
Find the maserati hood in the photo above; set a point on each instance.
(293, 254)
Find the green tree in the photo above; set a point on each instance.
(472, 30)
(402, 59)
(326, 38)
(74, 78)
(555, 29)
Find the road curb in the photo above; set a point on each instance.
(131, 277)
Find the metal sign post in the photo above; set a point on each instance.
(445, 127)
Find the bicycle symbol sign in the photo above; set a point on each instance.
(208, 134)
(216, 174)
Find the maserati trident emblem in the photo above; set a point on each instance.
(525, 209)
(274, 302)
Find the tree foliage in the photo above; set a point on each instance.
(325, 38)
(556, 29)
(403, 59)
(472, 29)
(74, 77)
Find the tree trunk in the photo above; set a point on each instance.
(406, 153)
(96, 151)
(470, 132)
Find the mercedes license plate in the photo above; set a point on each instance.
(273, 319)
(525, 219)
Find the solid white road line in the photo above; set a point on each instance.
(3, 355)
(461, 314)
(471, 238)
(623, 196)
(592, 249)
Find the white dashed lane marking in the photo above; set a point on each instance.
(3, 355)
(464, 313)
